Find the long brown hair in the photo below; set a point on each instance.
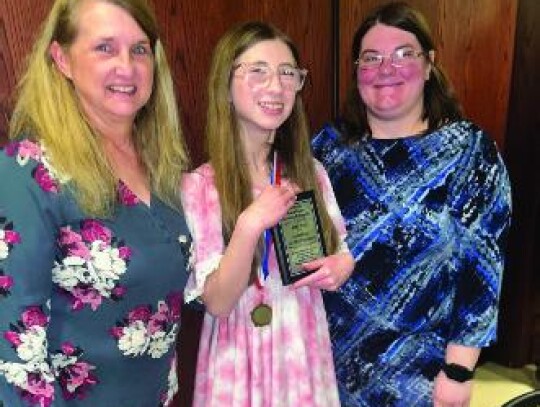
(224, 144)
(440, 103)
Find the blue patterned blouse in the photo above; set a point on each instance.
(427, 217)
(89, 308)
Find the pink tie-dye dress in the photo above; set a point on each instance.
(287, 363)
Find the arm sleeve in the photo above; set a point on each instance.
(482, 207)
(331, 204)
(203, 215)
(27, 250)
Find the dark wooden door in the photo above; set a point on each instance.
(519, 340)
(19, 20)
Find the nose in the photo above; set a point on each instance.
(124, 63)
(387, 65)
(274, 82)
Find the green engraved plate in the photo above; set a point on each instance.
(298, 238)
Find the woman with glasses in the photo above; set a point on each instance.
(426, 200)
(263, 343)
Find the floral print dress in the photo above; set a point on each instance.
(89, 308)
(286, 363)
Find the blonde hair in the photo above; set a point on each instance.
(225, 147)
(47, 110)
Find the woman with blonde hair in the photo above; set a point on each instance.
(263, 343)
(94, 245)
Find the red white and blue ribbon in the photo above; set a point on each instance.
(264, 272)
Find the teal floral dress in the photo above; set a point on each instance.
(89, 308)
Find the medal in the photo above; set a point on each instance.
(261, 315)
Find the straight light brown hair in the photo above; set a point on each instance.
(224, 145)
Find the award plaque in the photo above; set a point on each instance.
(298, 238)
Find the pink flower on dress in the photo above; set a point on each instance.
(6, 282)
(92, 263)
(34, 316)
(126, 196)
(174, 301)
(116, 331)
(118, 292)
(82, 296)
(8, 238)
(141, 313)
(74, 375)
(38, 391)
(11, 237)
(124, 252)
(72, 244)
(68, 348)
(143, 331)
(93, 230)
(29, 149)
(76, 380)
(33, 374)
(13, 338)
(43, 173)
(11, 148)
(44, 179)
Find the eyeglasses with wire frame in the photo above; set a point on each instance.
(259, 75)
(399, 58)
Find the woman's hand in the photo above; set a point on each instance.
(449, 393)
(332, 272)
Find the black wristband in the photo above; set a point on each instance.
(457, 372)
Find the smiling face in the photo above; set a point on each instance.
(110, 64)
(389, 92)
(261, 110)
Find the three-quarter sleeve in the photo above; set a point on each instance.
(203, 215)
(27, 252)
(481, 205)
(331, 204)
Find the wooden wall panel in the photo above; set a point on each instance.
(477, 48)
(521, 286)
(475, 41)
(19, 21)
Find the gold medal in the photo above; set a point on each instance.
(261, 315)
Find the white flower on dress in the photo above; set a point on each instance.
(33, 376)
(33, 346)
(160, 342)
(144, 331)
(4, 248)
(15, 373)
(172, 389)
(134, 340)
(93, 263)
(8, 238)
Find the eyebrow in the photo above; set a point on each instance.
(112, 38)
(407, 45)
(260, 62)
